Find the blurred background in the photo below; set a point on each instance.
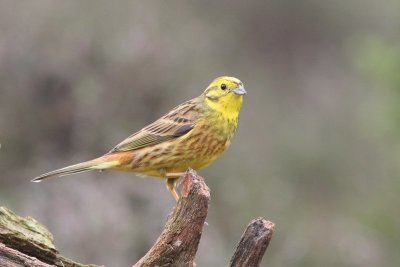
(317, 148)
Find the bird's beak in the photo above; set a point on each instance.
(240, 90)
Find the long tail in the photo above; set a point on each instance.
(96, 164)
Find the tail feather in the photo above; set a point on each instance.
(77, 168)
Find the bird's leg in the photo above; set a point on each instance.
(171, 182)
(171, 187)
(172, 179)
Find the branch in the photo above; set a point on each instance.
(253, 244)
(177, 244)
(11, 257)
(25, 242)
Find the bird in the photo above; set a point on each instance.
(192, 135)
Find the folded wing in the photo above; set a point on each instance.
(176, 123)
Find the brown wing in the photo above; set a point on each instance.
(176, 123)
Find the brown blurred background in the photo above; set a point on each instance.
(317, 148)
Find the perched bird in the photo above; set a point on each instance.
(193, 134)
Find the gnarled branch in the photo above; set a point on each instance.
(177, 244)
(25, 242)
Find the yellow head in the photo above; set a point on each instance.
(225, 95)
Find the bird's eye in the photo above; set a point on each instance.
(223, 86)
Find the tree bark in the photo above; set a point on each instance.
(25, 242)
(177, 244)
(13, 258)
(253, 244)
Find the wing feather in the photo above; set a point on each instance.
(176, 123)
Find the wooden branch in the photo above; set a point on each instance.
(13, 258)
(25, 242)
(253, 244)
(177, 244)
(24, 239)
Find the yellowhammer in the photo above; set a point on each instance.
(193, 134)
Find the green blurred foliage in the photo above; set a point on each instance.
(379, 60)
(317, 148)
